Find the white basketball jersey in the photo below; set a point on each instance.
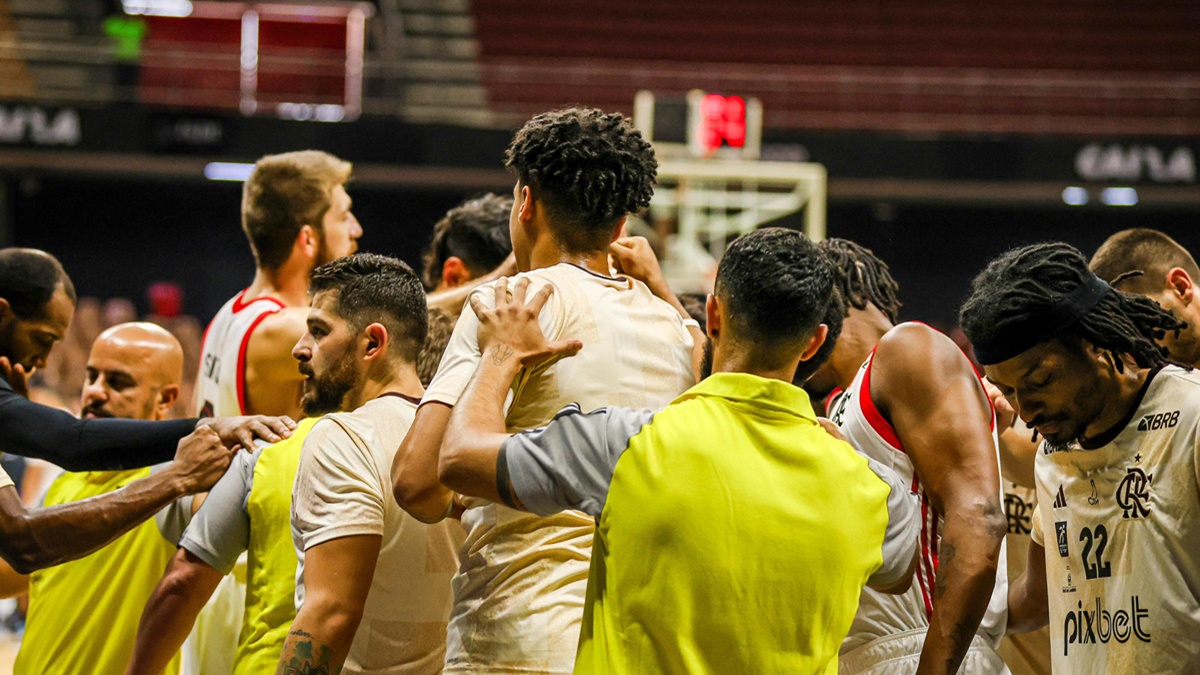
(880, 614)
(1121, 527)
(221, 384)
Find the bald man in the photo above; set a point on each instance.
(83, 615)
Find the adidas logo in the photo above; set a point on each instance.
(1061, 500)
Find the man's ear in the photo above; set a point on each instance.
(167, 396)
(815, 343)
(712, 314)
(455, 272)
(376, 338)
(1179, 283)
(6, 313)
(308, 241)
(528, 206)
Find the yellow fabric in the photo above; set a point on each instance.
(83, 615)
(271, 557)
(736, 538)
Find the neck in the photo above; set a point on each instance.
(748, 360)
(547, 252)
(388, 380)
(862, 330)
(288, 283)
(1118, 393)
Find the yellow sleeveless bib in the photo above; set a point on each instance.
(271, 560)
(83, 615)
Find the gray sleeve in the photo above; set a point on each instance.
(903, 528)
(568, 464)
(175, 517)
(220, 530)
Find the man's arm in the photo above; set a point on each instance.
(33, 430)
(452, 300)
(415, 484)
(273, 378)
(932, 396)
(12, 582)
(171, 611)
(337, 579)
(208, 550)
(1028, 602)
(633, 256)
(31, 539)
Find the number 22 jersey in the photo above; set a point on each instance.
(1121, 526)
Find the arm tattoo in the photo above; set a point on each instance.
(306, 659)
(997, 523)
(500, 353)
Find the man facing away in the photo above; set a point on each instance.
(519, 592)
(733, 534)
(133, 372)
(911, 400)
(1114, 562)
(373, 587)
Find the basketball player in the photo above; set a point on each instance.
(373, 588)
(247, 511)
(296, 215)
(133, 372)
(469, 242)
(471, 246)
(685, 582)
(37, 301)
(1115, 559)
(911, 400)
(1150, 263)
(519, 592)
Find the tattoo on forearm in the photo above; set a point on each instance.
(305, 658)
(500, 353)
(960, 641)
(946, 553)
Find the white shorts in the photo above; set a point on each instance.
(899, 654)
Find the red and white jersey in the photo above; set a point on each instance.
(881, 614)
(221, 384)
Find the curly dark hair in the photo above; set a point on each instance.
(476, 232)
(375, 288)
(776, 286)
(28, 279)
(862, 277)
(589, 167)
(1026, 281)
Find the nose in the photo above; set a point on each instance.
(302, 352)
(356, 230)
(94, 392)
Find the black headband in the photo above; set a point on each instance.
(1015, 335)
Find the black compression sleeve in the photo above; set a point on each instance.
(33, 430)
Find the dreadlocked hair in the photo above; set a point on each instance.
(589, 167)
(1030, 279)
(862, 277)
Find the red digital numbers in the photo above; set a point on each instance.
(723, 121)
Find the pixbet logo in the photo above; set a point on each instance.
(1100, 626)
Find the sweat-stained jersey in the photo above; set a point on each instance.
(1121, 526)
(519, 591)
(879, 614)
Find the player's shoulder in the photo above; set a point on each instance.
(913, 346)
(1176, 387)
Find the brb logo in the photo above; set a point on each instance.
(1083, 626)
(1133, 494)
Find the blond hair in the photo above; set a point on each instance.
(283, 194)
